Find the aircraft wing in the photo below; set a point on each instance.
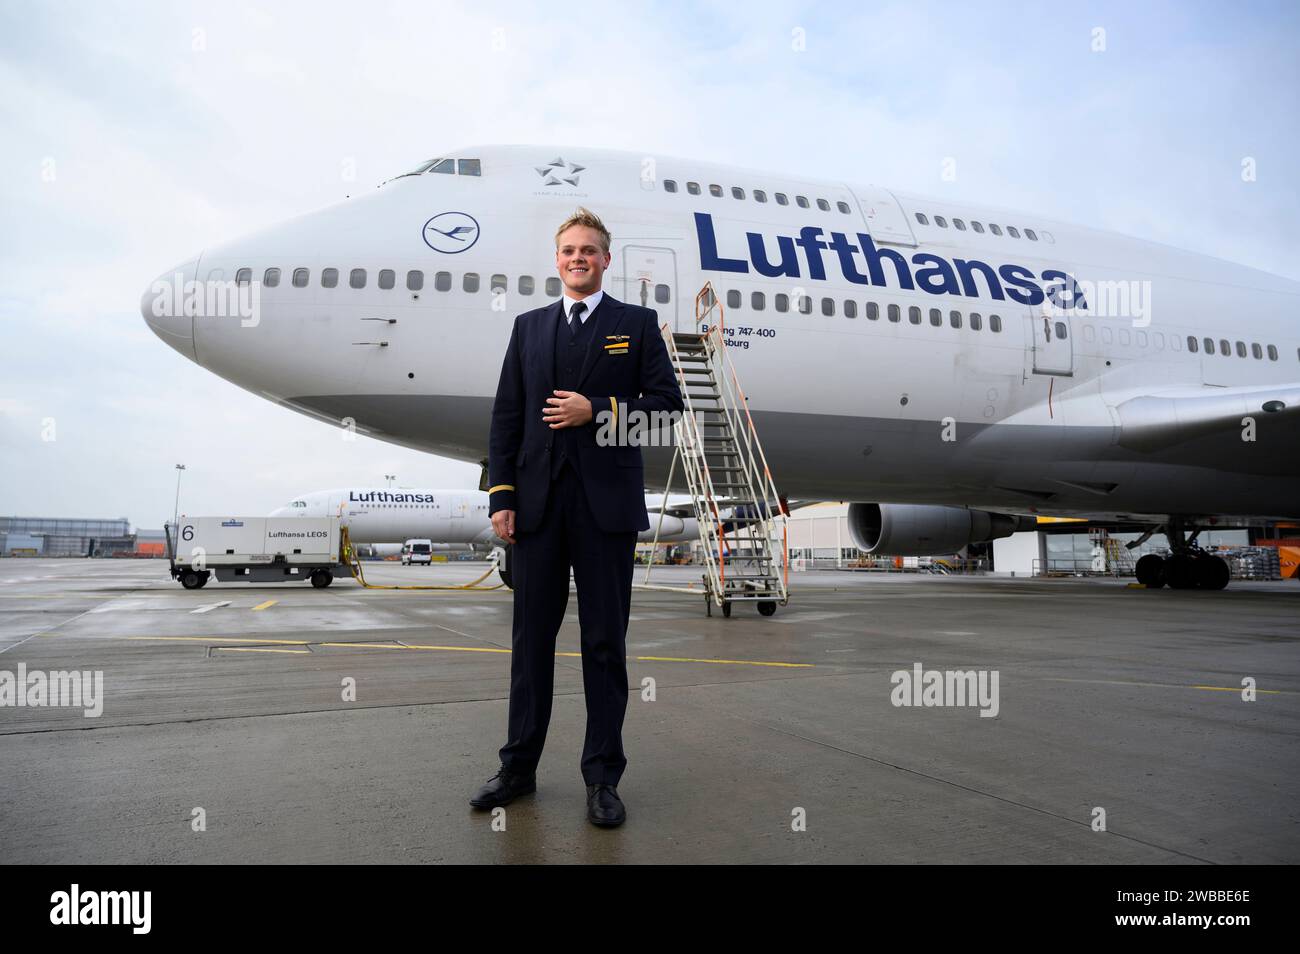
(1269, 412)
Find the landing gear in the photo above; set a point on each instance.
(321, 578)
(1187, 567)
(1150, 571)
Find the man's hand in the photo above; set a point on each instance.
(566, 409)
(503, 525)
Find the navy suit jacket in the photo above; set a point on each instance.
(626, 368)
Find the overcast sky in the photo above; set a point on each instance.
(135, 135)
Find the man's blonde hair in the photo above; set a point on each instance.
(584, 216)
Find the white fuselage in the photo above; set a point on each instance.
(850, 404)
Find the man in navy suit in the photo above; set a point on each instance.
(564, 495)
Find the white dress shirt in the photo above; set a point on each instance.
(591, 301)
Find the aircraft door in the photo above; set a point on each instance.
(650, 280)
(1051, 343)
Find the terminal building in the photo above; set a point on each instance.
(65, 537)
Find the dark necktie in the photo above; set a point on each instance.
(575, 317)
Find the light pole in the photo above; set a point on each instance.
(176, 513)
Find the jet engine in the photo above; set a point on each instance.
(924, 530)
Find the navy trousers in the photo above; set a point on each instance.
(602, 572)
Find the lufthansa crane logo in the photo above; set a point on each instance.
(451, 232)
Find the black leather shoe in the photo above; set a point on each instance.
(503, 788)
(604, 808)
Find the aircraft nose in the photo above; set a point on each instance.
(168, 306)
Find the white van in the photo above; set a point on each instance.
(417, 551)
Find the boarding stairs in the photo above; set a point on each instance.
(741, 517)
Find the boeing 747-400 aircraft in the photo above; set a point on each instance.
(943, 365)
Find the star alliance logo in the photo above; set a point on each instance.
(559, 172)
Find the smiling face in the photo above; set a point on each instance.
(580, 260)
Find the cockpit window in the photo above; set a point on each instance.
(470, 167)
(298, 503)
(450, 167)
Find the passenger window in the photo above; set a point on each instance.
(1012, 231)
(1209, 345)
(271, 277)
(1142, 339)
(1241, 349)
(977, 227)
(1192, 344)
(357, 277)
(823, 205)
(995, 229)
(760, 195)
(781, 301)
(976, 322)
(940, 221)
(470, 282)
(670, 185)
(693, 188)
(526, 284)
(244, 276)
(1107, 336)
(936, 317)
(781, 199)
(387, 278)
(995, 324)
(442, 281)
(329, 277)
(301, 276)
(1089, 334)
(850, 308)
(914, 315)
(894, 313)
(1256, 351)
(1225, 349)
(756, 301)
(801, 201)
(828, 307)
(1272, 352)
(954, 318)
(1029, 234)
(873, 311)
(737, 192)
(959, 225)
(470, 167)
(805, 304)
(1062, 334)
(920, 217)
(553, 287)
(715, 190)
(414, 280)
(733, 298)
(662, 294)
(843, 207)
(498, 283)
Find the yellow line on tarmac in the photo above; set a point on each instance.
(220, 639)
(473, 649)
(450, 649)
(253, 649)
(725, 662)
(1167, 685)
(262, 606)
